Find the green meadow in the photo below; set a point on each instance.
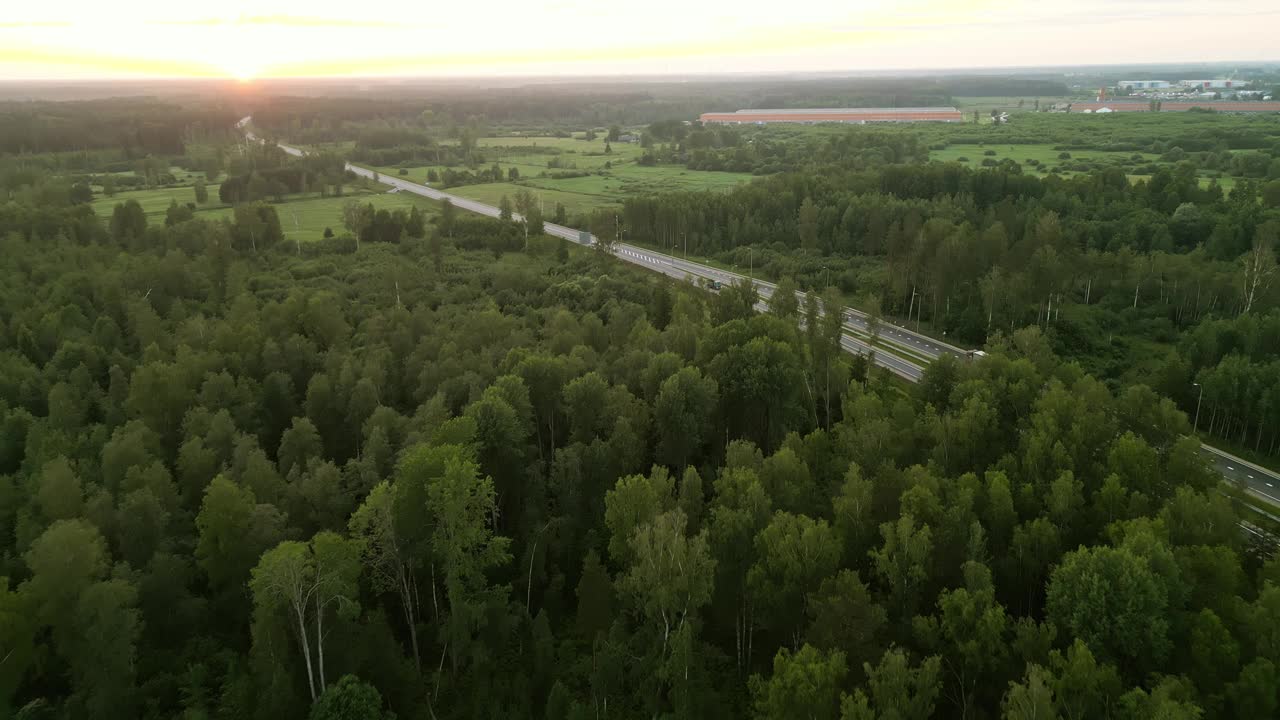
(303, 217)
(1048, 158)
(1045, 154)
(614, 176)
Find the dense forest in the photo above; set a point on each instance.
(137, 126)
(440, 466)
(1107, 266)
(573, 105)
(434, 481)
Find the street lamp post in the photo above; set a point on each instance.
(1196, 426)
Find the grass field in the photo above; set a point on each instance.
(1047, 155)
(985, 104)
(303, 217)
(153, 202)
(623, 178)
(972, 155)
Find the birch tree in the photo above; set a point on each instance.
(304, 581)
(670, 579)
(461, 505)
(1259, 265)
(740, 510)
(386, 556)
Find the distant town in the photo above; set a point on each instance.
(1217, 94)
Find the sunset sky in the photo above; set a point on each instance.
(272, 38)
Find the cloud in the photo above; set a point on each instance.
(272, 37)
(296, 21)
(103, 64)
(23, 25)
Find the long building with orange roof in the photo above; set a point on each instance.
(835, 115)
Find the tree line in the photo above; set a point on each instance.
(1101, 264)
(436, 481)
(137, 126)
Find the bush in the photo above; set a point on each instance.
(962, 158)
(344, 244)
(1064, 155)
(404, 171)
(989, 162)
(989, 153)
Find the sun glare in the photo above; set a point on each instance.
(268, 38)
(242, 69)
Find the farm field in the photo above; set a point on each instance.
(303, 217)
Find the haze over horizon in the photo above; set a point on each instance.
(76, 39)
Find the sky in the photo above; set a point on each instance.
(65, 39)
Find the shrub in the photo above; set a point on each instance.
(989, 153)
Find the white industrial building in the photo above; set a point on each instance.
(1144, 84)
(1217, 83)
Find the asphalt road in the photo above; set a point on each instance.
(1264, 483)
(1258, 480)
(680, 269)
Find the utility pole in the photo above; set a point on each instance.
(911, 307)
(1196, 425)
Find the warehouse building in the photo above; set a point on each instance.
(859, 116)
(1144, 84)
(1226, 106)
(1214, 84)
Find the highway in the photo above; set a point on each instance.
(1259, 481)
(681, 269)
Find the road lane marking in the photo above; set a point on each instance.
(1230, 468)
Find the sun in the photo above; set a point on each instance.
(243, 69)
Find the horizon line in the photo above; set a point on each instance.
(658, 74)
